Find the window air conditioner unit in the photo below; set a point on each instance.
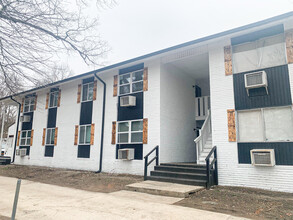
(126, 154)
(127, 101)
(21, 152)
(263, 157)
(25, 118)
(255, 80)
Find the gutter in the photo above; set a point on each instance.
(103, 123)
(16, 130)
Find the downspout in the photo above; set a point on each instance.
(16, 131)
(103, 122)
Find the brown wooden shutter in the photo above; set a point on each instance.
(59, 98)
(32, 137)
(228, 60)
(44, 137)
(289, 46)
(95, 90)
(36, 99)
(115, 85)
(145, 131)
(56, 136)
(76, 135)
(92, 134)
(113, 132)
(145, 79)
(78, 93)
(18, 137)
(47, 100)
(231, 125)
(22, 103)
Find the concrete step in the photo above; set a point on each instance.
(164, 188)
(4, 160)
(179, 175)
(190, 165)
(201, 170)
(178, 180)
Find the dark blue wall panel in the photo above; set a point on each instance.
(28, 125)
(88, 80)
(131, 113)
(86, 113)
(83, 151)
(278, 90)
(131, 68)
(283, 152)
(138, 150)
(49, 151)
(52, 116)
(258, 34)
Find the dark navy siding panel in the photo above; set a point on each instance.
(28, 125)
(86, 113)
(283, 152)
(278, 90)
(258, 34)
(83, 151)
(87, 80)
(52, 115)
(49, 151)
(131, 68)
(131, 113)
(138, 150)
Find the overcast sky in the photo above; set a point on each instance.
(136, 27)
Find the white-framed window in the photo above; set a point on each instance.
(131, 82)
(262, 53)
(130, 132)
(266, 125)
(53, 99)
(87, 91)
(29, 104)
(84, 134)
(25, 138)
(50, 136)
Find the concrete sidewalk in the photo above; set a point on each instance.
(43, 201)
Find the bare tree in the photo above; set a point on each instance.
(34, 32)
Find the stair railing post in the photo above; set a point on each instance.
(145, 168)
(216, 167)
(157, 156)
(208, 173)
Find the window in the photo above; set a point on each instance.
(87, 92)
(53, 99)
(131, 82)
(25, 138)
(269, 124)
(29, 104)
(130, 132)
(50, 136)
(262, 53)
(84, 134)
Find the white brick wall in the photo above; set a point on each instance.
(177, 116)
(278, 178)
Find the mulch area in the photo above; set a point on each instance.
(244, 202)
(85, 180)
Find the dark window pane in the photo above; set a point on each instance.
(137, 76)
(136, 87)
(124, 79)
(124, 89)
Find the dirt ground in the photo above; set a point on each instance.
(96, 182)
(244, 202)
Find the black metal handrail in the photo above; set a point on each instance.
(146, 158)
(210, 166)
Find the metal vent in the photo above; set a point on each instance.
(254, 79)
(262, 158)
(126, 154)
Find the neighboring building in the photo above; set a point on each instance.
(203, 84)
